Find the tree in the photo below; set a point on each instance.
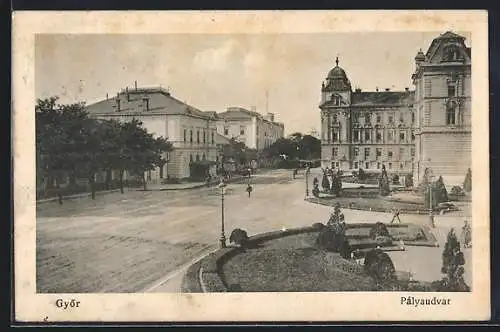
(438, 191)
(383, 183)
(453, 261)
(468, 181)
(145, 151)
(60, 140)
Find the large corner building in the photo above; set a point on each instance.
(407, 131)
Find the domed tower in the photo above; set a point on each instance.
(337, 87)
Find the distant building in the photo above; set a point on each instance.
(191, 131)
(249, 127)
(365, 129)
(407, 131)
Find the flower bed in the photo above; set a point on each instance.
(289, 261)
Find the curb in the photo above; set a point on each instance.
(77, 196)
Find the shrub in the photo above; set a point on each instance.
(468, 181)
(325, 183)
(239, 237)
(345, 249)
(379, 266)
(383, 183)
(409, 180)
(378, 230)
(318, 226)
(457, 191)
(331, 239)
(439, 194)
(361, 174)
(453, 261)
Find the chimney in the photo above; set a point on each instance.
(358, 90)
(135, 85)
(106, 96)
(376, 89)
(128, 95)
(387, 89)
(253, 108)
(270, 117)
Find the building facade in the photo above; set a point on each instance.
(249, 127)
(442, 80)
(191, 131)
(365, 129)
(407, 131)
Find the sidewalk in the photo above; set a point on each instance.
(188, 185)
(75, 196)
(150, 187)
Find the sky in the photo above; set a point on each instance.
(215, 71)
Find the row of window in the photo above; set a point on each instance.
(357, 165)
(378, 152)
(242, 130)
(368, 118)
(368, 136)
(198, 138)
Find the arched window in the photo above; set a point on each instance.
(336, 100)
(197, 157)
(203, 157)
(190, 158)
(450, 113)
(191, 136)
(368, 118)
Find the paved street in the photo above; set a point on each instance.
(143, 241)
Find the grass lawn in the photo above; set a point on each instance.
(291, 270)
(293, 264)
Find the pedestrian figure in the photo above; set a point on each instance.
(395, 216)
(249, 190)
(466, 235)
(315, 181)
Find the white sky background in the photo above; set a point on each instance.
(214, 71)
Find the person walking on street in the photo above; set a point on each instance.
(249, 190)
(395, 216)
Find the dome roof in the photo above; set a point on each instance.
(420, 55)
(337, 79)
(337, 73)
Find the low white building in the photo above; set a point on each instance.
(191, 131)
(253, 129)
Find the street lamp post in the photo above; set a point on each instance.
(431, 215)
(222, 186)
(307, 181)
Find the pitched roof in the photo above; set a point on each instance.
(160, 103)
(450, 35)
(238, 113)
(383, 98)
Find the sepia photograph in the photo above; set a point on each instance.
(308, 162)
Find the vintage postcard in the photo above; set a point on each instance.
(251, 166)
